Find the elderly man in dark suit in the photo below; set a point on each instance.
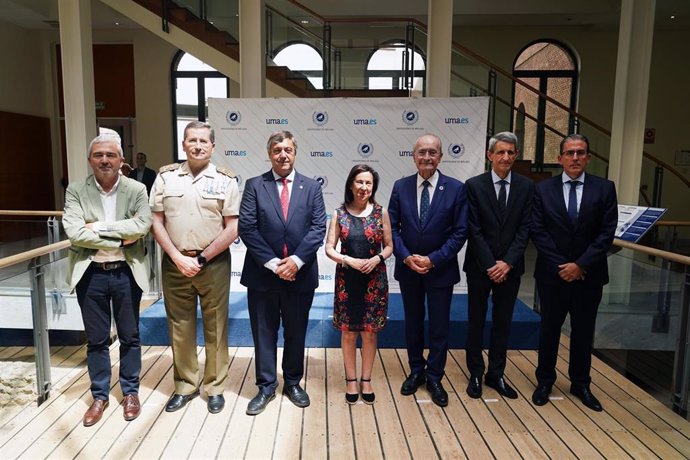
(500, 207)
(282, 224)
(573, 222)
(428, 213)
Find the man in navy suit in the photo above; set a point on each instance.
(500, 208)
(573, 222)
(141, 173)
(282, 224)
(428, 213)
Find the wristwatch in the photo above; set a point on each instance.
(201, 260)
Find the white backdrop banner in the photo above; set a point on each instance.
(335, 134)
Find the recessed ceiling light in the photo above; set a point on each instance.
(673, 16)
(117, 23)
(304, 21)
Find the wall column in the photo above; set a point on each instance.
(438, 48)
(635, 40)
(77, 82)
(252, 48)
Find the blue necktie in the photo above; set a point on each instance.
(572, 201)
(424, 203)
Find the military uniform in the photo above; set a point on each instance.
(194, 208)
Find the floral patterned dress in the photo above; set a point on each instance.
(361, 300)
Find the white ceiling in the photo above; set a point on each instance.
(42, 14)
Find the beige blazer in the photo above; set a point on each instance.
(83, 205)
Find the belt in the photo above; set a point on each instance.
(105, 266)
(192, 252)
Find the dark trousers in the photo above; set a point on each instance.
(503, 296)
(95, 292)
(266, 310)
(414, 294)
(557, 300)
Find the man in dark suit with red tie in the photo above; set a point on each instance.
(282, 224)
(500, 212)
(428, 213)
(573, 223)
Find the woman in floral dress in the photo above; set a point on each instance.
(361, 284)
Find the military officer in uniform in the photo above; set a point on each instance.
(195, 209)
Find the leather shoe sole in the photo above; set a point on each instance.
(178, 401)
(411, 383)
(502, 388)
(215, 404)
(259, 403)
(541, 395)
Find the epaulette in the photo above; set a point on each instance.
(171, 167)
(226, 172)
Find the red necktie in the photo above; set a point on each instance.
(285, 197)
(285, 203)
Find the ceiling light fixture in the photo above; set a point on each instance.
(673, 16)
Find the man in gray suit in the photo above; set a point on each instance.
(106, 217)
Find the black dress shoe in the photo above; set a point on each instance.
(351, 398)
(178, 401)
(502, 388)
(438, 394)
(587, 398)
(259, 403)
(216, 403)
(541, 395)
(474, 388)
(368, 398)
(412, 382)
(297, 395)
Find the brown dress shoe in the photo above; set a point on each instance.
(95, 412)
(131, 406)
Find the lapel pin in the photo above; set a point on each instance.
(441, 187)
(301, 186)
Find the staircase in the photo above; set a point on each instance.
(293, 82)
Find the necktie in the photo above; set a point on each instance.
(424, 203)
(285, 197)
(285, 203)
(502, 197)
(572, 201)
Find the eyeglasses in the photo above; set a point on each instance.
(573, 153)
(430, 152)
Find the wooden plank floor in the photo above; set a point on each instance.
(633, 424)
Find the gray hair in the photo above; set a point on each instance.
(438, 139)
(107, 135)
(505, 136)
(200, 125)
(573, 137)
(278, 137)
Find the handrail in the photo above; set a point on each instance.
(673, 223)
(33, 253)
(496, 68)
(672, 256)
(31, 213)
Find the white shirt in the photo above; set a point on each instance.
(433, 180)
(109, 202)
(497, 186)
(273, 263)
(578, 191)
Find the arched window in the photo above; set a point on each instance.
(193, 82)
(392, 64)
(550, 68)
(302, 58)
